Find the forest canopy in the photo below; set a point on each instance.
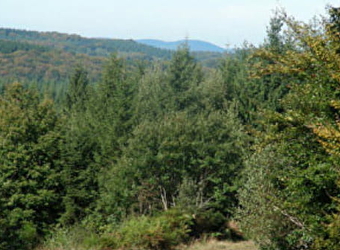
(133, 154)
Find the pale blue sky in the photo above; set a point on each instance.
(218, 21)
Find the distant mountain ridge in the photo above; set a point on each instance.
(195, 45)
(90, 46)
(51, 57)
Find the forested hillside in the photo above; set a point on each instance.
(77, 44)
(49, 58)
(151, 157)
(26, 62)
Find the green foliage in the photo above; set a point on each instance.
(77, 93)
(99, 120)
(274, 33)
(291, 178)
(209, 222)
(12, 46)
(75, 237)
(78, 44)
(79, 173)
(184, 75)
(162, 232)
(152, 94)
(252, 94)
(153, 155)
(163, 155)
(235, 86)
(46, 66)
(260, 215)
(112, 111)
(209, 59)
(30, 166)
(330, 239)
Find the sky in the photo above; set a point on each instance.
(226, 23)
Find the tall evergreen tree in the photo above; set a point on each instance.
(113, 108)
(79, 173)
(184, 76)
(30, 167)
(78, 89)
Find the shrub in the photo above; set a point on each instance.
(164, 232)
(208, 222)
(76, 237)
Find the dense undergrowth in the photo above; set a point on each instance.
(167, 230)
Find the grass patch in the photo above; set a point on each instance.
(220, 245)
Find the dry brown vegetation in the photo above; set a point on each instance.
(221, 245)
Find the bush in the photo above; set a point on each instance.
(208, 222)
(76, 237)
(162, 232)
(330, 240)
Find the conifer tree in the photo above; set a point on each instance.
(79, 173)
(77, 93)
(184, 76)
(114, 108)
(30, 167)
